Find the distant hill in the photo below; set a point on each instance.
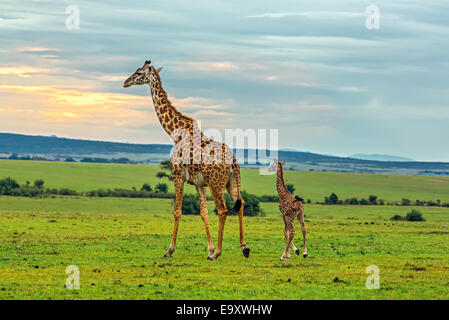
(18, 143)
(61, 148)
(379, 157)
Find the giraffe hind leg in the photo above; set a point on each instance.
(202, 196)
(232, 188)
(220, 204)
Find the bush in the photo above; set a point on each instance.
(396, 217)
(190, 204)
(290, 188)
(269, 198)
(364, 202)
(352, 201)
(146, 187)
(162, 187)
(39, 183)
(414, 215)
(28, 191)
(7, 186)
(68, 192)
(252, 205)
(372, 200)
(406, 202)
(332, 199)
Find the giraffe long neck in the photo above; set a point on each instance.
(280, 184)
(169, 117)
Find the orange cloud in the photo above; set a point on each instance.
(21, 71)
(54, 104)
(209, 65)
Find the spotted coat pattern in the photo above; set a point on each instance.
(291, 208)
(197, 160)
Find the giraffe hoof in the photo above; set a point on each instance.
(297, 251)
(211, 258)
(245, 252)
(304, 255)
(168, 254)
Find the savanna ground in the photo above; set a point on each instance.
(118, 243)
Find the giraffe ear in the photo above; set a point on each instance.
(158, 69)
(283, 163)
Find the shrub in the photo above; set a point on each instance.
(332, 199)
(372, 199)
(39, 183)
(364, 202)
(290, 188)
(190, 204)
(252, 205)
(431, 203)
(146, 187)
(28, 191)
(406, 202)
(396, 217)
(7, 186)
(414, 215)
(269, 198)
(162, 187)
(67, 192)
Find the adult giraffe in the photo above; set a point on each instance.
(195, 159)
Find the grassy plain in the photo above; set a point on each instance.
(310, 185)
(118, 243)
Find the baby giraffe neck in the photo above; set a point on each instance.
(280, 181)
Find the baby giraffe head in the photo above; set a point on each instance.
(144, 74)
(275, 165)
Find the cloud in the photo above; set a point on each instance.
(309, 69)
(309, 14)
(207, 65)
(21, 71)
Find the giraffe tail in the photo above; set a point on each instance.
(237, 205)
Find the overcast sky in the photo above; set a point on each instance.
(310, 69)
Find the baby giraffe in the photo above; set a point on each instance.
(291, 208)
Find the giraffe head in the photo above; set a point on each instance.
(275, 165)
(144, 74)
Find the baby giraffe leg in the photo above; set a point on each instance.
(289, 233)
(295, 249)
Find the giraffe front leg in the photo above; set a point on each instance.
(295, 249)
(289, 234)
(177, 213)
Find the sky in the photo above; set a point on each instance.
(311, 69)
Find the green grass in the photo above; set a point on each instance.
(310, 185)
(118, 243)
